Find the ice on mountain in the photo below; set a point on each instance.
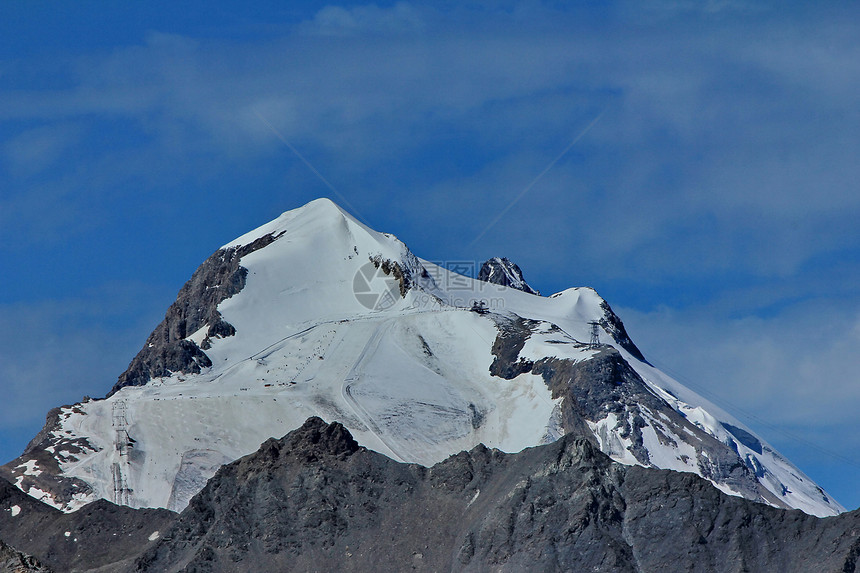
(410, 379)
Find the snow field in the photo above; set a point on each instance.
(410, 381)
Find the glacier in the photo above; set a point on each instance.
(327, 317)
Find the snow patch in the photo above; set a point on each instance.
(611, 443)
(30, 468)
(198, 337)
(44, 497)
(15, 509)
(474, 498)
(681, 457)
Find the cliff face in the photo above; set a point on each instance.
(196, 307)
(14, 561)
(315, 500)
(100, 536)
(314, 314)
(504, 272)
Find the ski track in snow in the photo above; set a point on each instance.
(353, 378)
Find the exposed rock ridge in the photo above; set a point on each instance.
(605, 384)
(168, 348)
(38, 468)
(314, 500)
(409, 272)
(100, 536)
(501, 271)
(613, 325)
(13, 561)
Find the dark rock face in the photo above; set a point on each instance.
(613, 325)
(14, 561)
(167, 350)
(513, 333)
(49, 478)
(316, 501)
(100, 534)
(408, 272)
(710, 531)
(503, 272)
(606, 383)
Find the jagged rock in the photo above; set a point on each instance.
(606, 384)
(503, 272)
(13, 561)
(513, 333)
(315, 500)
(49, 478)
(99, 535)
(613, 325)
(167, 349)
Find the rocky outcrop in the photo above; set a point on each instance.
(503, 272)
(38, 468)
(606, 385)
(316, 501)
(99, 535)
(513, 333)
(408, 272)
(168, 348)
(13, 561)
(613, 325)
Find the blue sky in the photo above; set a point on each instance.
(711, 195)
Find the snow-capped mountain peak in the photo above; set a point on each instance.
(315, 314)
(501, 271)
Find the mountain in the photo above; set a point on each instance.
(315, 314)
(99, 535)
(14, 561)
(501, 271)
(317, 501)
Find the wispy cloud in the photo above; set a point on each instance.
(54, 351)
(796, 367)
(732, 136)
(39, 148)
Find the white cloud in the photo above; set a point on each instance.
(335, 20)
(39, 148)
(727, 144)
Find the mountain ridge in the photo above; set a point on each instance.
(316, 500)
(315, 314)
